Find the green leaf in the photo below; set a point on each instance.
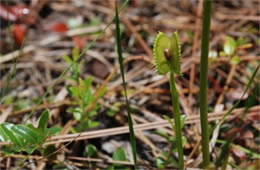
(77, 115)
(113, 110)
(235, 60)
(43, 120)
(171, 160)
(88, 82)
(120, 155)
(25, 133)
(175, 62)
(163, 134)
(161, 43)
(167, 53)
(7, 150)
(75, 53)
(40, 133)
(3, 136)
(169, 120)
(183, 118)
(6, 129)
(90, 151)
(173, 140)
(160, 163)
(241, 41)
(92, 113)
(229, 46)
(92, 124)
(67, 59)
(30, 149)
(75, 91)
(54, 130)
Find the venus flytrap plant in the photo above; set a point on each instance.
(167, 54)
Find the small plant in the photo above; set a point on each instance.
(76, 65)
(91, 152)
(26, 137)
(119, 155)
(230, 48)
(167, 54)
(83, 98)
(82, 94)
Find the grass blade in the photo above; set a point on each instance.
(120, 58)
(204, 82)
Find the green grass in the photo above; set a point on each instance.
(120, 58)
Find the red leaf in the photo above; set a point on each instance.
(238, 153)
(19, 33)
(78, 41)
(59, 27)
(6, 14)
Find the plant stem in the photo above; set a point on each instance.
(177, 119)
(204, 81)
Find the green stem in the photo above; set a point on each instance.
(204, 82)
(177, 119)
